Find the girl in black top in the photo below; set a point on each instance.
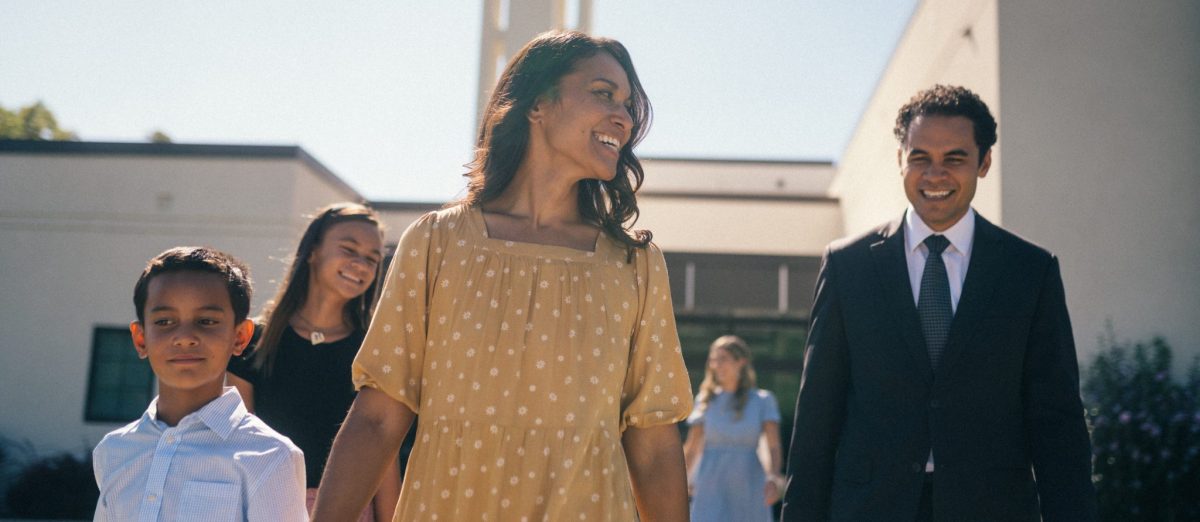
(297, 377)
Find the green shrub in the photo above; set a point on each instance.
(56, 487)
(1145, 433)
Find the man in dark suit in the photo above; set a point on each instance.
(940, 380)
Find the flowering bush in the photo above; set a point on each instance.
(1145, 433)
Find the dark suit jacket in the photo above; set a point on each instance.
(1002, 408)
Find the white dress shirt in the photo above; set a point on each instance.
(218, 463)
(956, 257)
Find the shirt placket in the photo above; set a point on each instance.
(152, 497)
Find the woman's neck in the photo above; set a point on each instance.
(729, 387)
(322, 310)
(541, 196)
(538, 206)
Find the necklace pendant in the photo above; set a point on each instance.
(316, 337)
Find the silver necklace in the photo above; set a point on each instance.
(315, 336)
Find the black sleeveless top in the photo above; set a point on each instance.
(307, 393)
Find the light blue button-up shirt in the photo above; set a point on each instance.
(219, 463)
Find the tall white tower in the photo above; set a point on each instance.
(510, 24)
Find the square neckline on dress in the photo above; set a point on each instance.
(541, 250)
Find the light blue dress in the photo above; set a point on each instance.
(729, 484)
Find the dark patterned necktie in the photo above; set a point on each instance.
(933, 303)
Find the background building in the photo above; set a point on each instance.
(1097, 124)
(82, 218)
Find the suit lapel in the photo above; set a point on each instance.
(983, 276)
(892, 269)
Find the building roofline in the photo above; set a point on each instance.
(111, 148)
(796, 162)
(791, 198)
(402, 206)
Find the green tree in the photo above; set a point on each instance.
(32, 122)
(158, 136)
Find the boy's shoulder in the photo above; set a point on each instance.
(127, 434)
(257, 433)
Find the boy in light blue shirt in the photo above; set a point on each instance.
(197, 453)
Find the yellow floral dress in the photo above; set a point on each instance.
(526, 363)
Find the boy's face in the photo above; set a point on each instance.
(190, 333)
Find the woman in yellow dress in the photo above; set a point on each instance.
(527, 325)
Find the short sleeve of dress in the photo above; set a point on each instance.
(656, 389)
(392, 354)
(770, 407)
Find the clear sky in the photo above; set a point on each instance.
(382, 91)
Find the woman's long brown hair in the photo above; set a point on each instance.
(294, 288)
(533, 73)
(747, 379)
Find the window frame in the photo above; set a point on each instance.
(94, 391)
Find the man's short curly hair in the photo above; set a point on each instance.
(949, 100)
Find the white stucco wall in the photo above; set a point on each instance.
(763, 178)
(1100, 127)
(741, 226)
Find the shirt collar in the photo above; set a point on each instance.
(150, 418)
(222, 415)
(961, 234)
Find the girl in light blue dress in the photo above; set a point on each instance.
(729, 479)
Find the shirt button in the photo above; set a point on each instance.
(917, 467)
(170, 439)
(152, 497)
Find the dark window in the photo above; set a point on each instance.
(742, 284)
(737, 283)
(120, 385)
(802, 278)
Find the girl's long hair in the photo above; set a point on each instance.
(534, 72)
(747, 379)
(294, 288)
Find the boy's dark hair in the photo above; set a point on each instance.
(949, 100)
(198, 259)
